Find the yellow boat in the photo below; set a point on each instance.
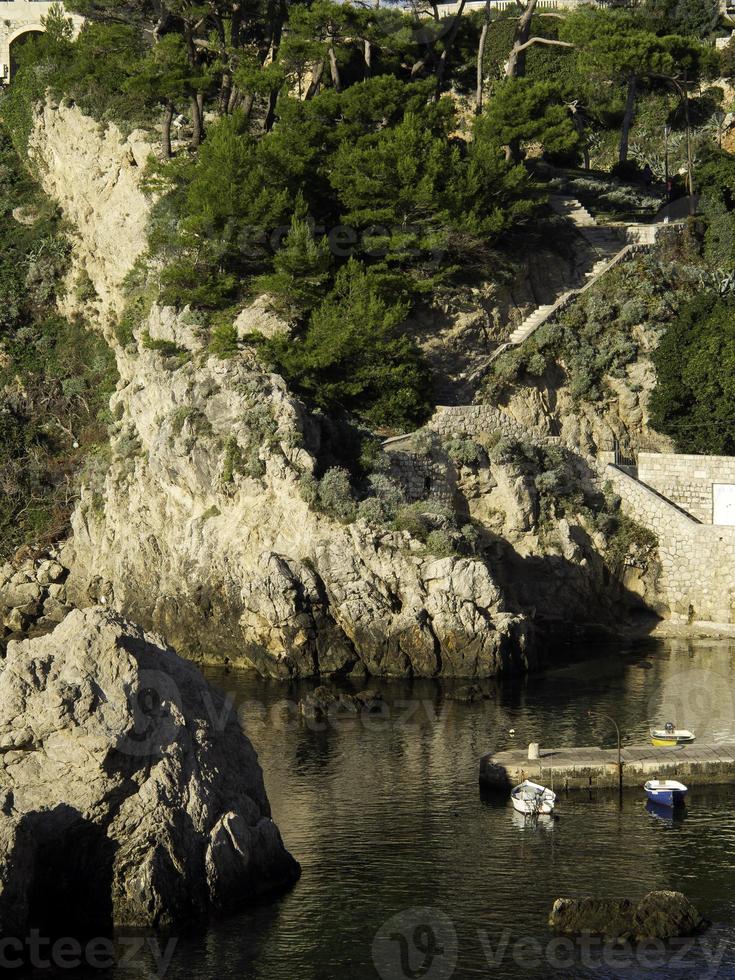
(668, 736)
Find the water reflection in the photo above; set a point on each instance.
(386, 815)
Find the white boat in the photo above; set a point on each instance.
(665, 792)
(531, 798)
(668, 735)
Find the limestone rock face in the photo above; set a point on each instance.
(658, 915)
(131, 795)
(203, 533)
(199, 528)
(94, 174)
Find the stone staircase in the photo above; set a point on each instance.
(611, 243)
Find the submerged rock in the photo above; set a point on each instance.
(132, 795)
(323, 702)
(658, 915)
(467, 693)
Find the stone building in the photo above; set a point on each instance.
(19, 20)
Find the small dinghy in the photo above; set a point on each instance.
(665, 792)
(532, 799)
(669, 735)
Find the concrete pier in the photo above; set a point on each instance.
(592, 767)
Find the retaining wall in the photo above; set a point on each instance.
(697, 579)
(471, 420)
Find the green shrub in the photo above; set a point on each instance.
(335, 494)
(440, 543)
(465, 452)
(166, 347)
(630, 544)
(223, 341)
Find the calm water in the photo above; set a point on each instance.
(386, 817)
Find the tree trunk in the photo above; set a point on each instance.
(481, 59)
(367, 57)
(316, 81)
(226, 91)
(235, 25)
(628, 118)
(449, 40)
(196, 122)
(168, 118)
(516, 66)
(334, 69)
(270, 116)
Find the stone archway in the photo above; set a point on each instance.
(17, 40)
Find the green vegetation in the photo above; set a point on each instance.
(605, 329)
(694, 399)
(331, 158)
(55, 375)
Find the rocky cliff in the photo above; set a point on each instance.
(199, 528)
(196, 525)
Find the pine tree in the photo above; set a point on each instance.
(301, 267)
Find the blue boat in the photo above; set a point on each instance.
(665, 792)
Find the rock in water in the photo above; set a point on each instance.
(132, 797)
(666, 915)
(609, 917)
(658, 915)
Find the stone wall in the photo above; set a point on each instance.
(423, 476)
(471, 420)
(687, 480)
(697, 581)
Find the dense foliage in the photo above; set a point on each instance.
(352, 162)
(55, 375)
(694, 399)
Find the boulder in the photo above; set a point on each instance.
(666, 915)
(609, 917)
(658, 915)
(132, 795)
(49, 571)
(27, 597)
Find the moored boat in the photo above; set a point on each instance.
(665, 792)
(669, 735)
(531, 798)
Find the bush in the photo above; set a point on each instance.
(630, 544)
(223, 341)
(335, 494)
(354, 356)
(694, 397)
(465, 452)
(439, 543)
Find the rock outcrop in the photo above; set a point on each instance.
(131, 796)
(33, 596)
(658, 915)
(94, 172)
(200, 530)
(199, 527)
